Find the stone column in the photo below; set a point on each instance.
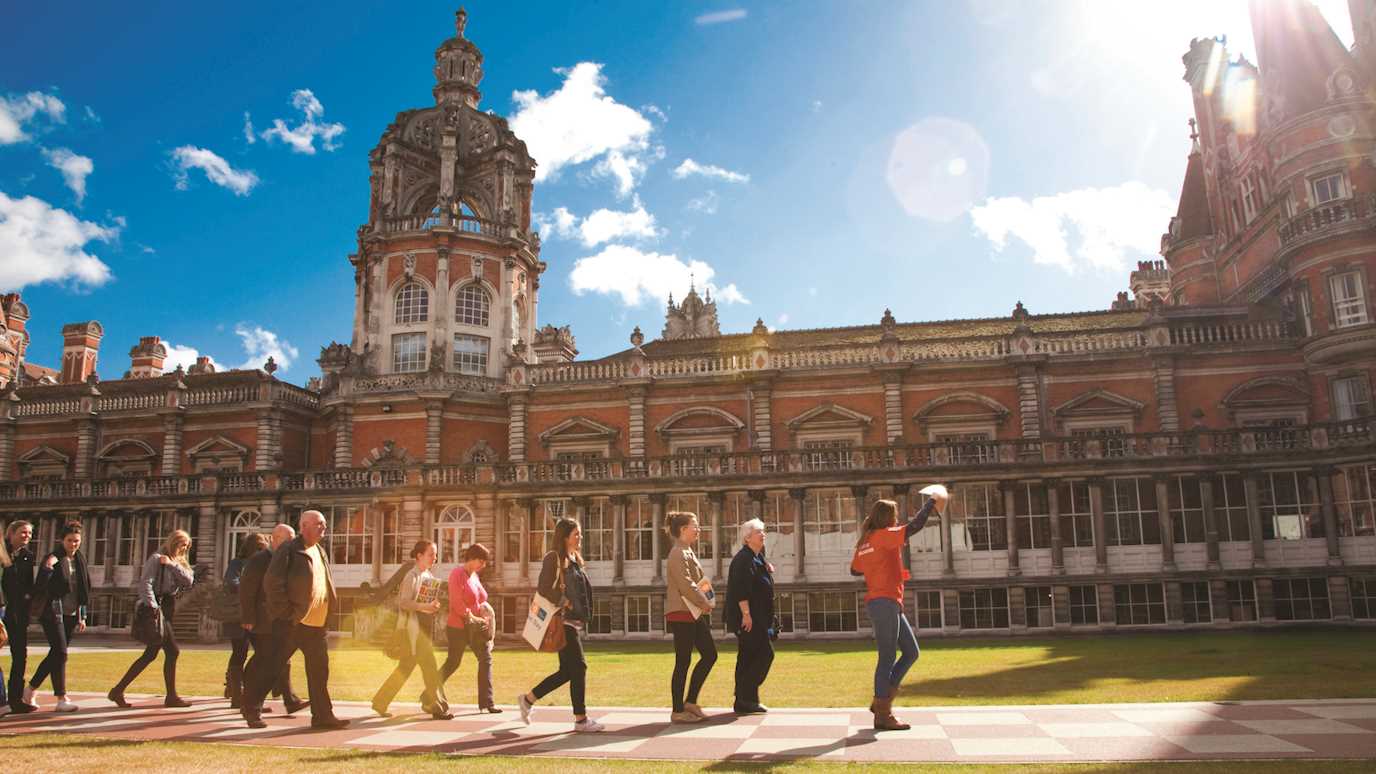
(762, 421)
(172, 444)
(1053, 507)
(1163, 375)
(618, 503)
(893, 405)
(1096, 507)
(799, 544)
(657, 534)
(85, 447)
(263, 447)
(715, 500)
(343, 436)
(434, 410)
(221, 547)
(516, 426)
(113, 524)
(442, 310)
(635, 403)
(1323, 474)
(1163, 517)
(948, 551)
(1029, 401)
(526, 508)
(1010, 524)
(1252, 486)
(1206, 503)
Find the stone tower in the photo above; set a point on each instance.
(695, 318)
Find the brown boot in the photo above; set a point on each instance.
(883, 716)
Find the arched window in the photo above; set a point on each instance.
(454, 531)
(412, 304)
(472, 305)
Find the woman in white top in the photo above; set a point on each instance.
(417, 619)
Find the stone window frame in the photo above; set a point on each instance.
(1085, 603)
(990, 604)
(1316, 604)
(1315, 177)
(1031, 592)
(424, 350)
(1362, 298)
(1355, 376)
(1244, 599)
(1200, 604)
(43, 462)
(484, 312)
(393, 329)
(1154, 609)
(920, 610)
(204, 461)
(647, 614)
(469, 362)
(464, 519)
(136, 466)
(965, 450)
(411, 297)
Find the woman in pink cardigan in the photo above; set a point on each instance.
(470, 622)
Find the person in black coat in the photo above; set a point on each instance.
(750, 614)
(64, 590)
(16, 588)
(264, 667)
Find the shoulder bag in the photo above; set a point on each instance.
(148, 621)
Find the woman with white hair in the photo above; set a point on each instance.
(750, 614)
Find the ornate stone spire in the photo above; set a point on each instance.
(458, 67)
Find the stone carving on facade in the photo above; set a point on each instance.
(695, 318)
(389, 455)
(480, 453)
(426, 381)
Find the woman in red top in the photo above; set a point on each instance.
(879, 557)
(468, 625)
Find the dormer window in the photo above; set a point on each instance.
(1329, 188)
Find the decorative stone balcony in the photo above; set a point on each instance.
(1355, 213)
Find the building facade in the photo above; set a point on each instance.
(1201, 454)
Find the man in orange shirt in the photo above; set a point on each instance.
(879, 557)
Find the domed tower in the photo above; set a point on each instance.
(447, 269)
(692, 319)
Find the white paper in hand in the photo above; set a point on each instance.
(934, 490)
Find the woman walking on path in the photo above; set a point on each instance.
(879, 557)
(234, 629)
(687, 609)
(166, 574)
(16, 581)
(563, 582)
(750, 615)
(468, 626)
(62, 592)
(417, 620)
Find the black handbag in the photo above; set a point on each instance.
(225, 606)
(149, 623)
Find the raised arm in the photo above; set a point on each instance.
(919, 519)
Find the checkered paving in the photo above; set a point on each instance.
(1118, 732)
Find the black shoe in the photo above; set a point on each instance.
(175, 702)
(750, 709)
(254, 721)
(22, 708)
(265, 709)
(493, 710)
(115, 695)
(294, 707)
(329, 724)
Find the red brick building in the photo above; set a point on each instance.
(1199, 455)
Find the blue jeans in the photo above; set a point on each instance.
(891, 634)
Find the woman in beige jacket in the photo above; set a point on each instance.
(687, 610)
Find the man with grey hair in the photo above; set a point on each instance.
(265, 666)
(750, 615)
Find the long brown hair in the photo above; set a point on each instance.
(562, 529)
(883, 514)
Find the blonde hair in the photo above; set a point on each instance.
(169, 547)
(5, 559)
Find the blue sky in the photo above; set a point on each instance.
(813, 163)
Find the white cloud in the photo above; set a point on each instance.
(578, 123)
(719, 17)
(248, 129)
(40, 243)
(91, 115)
(17, 111)
(706, 204)
(783, 319)
(656, 112)
(302, 137)
(74, 169)
(635, 275)
(184, 356)
(816, 106)
(1099, 228)
(261, 343)
(216, 169)
(603, 225)
(690, 167)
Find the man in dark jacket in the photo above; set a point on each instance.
(255, 620)
(299, 594)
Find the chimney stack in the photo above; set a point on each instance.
(80, 345)
(146, 358)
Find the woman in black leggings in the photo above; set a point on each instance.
(67, 587)
(165, 575)
(687, 610)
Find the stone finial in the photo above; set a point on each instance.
(887, 321)
(1020, 312)
(93, 378)
(270, 366)
(759, 329)
(637, 338)
(460, 21)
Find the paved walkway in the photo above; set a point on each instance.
(1117, 732)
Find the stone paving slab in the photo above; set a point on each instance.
(1037, 733)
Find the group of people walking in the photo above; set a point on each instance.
(282, 592)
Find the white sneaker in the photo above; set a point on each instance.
(588, 726)
(64, 706)
(526, 707)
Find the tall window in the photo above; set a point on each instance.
(471, 306)
(827, 455)
(777, 515)
(1230, 508)
(1351, 398)
(1304, 309)
(1130, 516)
(454, 531)
(1187, 510)
(349, 536)
(1077, 519)
(832, 611)
(1040, 608)
(1363, 597)
(783, 607)
(830, 521)
(639, 529)
(1328, 188)
(1301, 599)
(511, 532)
(470, 354)
(1354, 494)
(1084, 606)
(1349, 302)
(1288, 511)
(412, 304)
(1197, 606)
(637, 615)
(543, 517)
(100, 538)
(395, 550)
(408, 352)
(1251, 200)
(513, 614)
(969, 448)
(1242, 600)
(1033, 516)
(1139, 604)
(984, 609)
(597, 532)
(128, 538)
(928, 609)
(978, 508)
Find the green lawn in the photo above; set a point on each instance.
(1212, 666)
